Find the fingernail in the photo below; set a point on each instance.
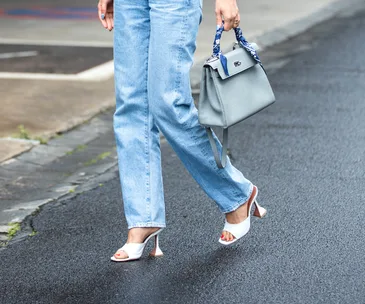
(102, 16)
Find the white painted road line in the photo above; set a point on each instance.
(37, 76)
(99, 73)
(18, 54)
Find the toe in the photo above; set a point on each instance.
(226, 236)
(121, 255)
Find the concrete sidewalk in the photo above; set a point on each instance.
(46, 107)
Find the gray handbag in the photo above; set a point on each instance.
(233, 87)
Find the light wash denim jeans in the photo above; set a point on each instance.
(154, 43)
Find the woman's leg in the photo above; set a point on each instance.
(136, 134)
(174, 26)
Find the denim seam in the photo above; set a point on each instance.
(147, 145)
(178, 66)
(203, 151)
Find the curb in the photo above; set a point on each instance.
(40, 156)
(52, 136)
(288, 31)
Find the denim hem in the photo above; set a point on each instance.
(147, 224)
(240, 203)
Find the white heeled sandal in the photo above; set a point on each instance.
(241, 229)
(135, 250)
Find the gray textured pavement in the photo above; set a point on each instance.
(306, 155)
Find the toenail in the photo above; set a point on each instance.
(222, 236)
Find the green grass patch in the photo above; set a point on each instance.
(15, 227)
(23, 133)
(34, 232)
(42, 140)
(79, 148)
(100, 157)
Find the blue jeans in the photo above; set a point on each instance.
(154, 43)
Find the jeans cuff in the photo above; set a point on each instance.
(146, 224)
(240, 203)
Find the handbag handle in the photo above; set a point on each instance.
(221, 161)
(240, 39)
(217, 52)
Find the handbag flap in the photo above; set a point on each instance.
(238, 61)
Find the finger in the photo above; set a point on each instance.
(108, 21)
(102, 13)
(218, 18)
(228, 23)
(237, 21)
(112, 19)
(234, 16)
(102, 18)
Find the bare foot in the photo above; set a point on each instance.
(136, 235)
(238, 216)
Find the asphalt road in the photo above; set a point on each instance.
(51, 59)
(305, 153)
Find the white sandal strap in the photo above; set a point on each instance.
(238, 230)
(132, 249)
(135, 250)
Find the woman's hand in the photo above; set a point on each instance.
(227, 9)
(106, 16)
